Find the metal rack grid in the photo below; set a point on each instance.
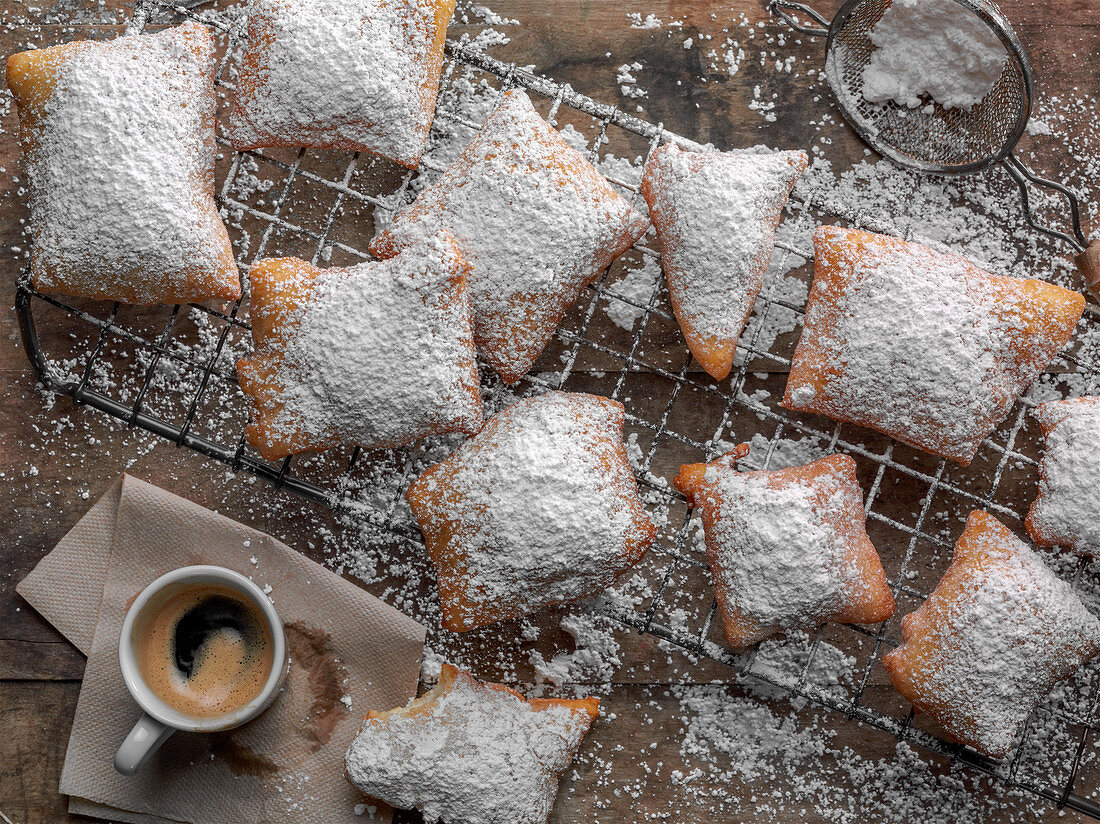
(881, 458)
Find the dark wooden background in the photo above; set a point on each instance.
(75, 454)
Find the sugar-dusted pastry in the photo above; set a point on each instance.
(918, 344)
(360, 75)
(537, 222)
(540, 507)
(715, 215)
(1066, 511)
(118, 144)
(787, 548)
(999, 631)
(379, 354)
(468, 752)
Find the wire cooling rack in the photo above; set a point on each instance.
(675, 413)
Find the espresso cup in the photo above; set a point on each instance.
(223, 664)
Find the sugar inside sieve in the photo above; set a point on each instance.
(933, 138)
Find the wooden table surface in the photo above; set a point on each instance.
(55, 459)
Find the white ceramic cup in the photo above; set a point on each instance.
(158, 720)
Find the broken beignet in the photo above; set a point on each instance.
(360, 75)
(1065, 511)
(377, 355)
(118, 144)
(469, 752)
(921, 345)
(716, 215)
(539, 508)
(787, 548)
(537, 222)
(999, 631)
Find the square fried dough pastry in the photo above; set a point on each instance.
(537, 222)
(1065, 512)
(999, 631)
(360, 75)
(918, 344)
(378, 355)
(787, 548)
(715, 215)
(469, 752)
(118, 144)
(540, 507)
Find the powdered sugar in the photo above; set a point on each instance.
(536, 221)
(637, 286)
(121, 167)
(468, 753)
(1065, 511)
(540, 508)
(595, 656)
(715, 215)
(934, 47)
(376, 354)
(356, 74)
(921, 345)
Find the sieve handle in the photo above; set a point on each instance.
(1088, 264)
(1088, 254)
(783, 8)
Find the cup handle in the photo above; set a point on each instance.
(144, 740)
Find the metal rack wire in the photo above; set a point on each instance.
(895, 473)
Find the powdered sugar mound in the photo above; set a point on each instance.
(829, 668)
(651, 21)
(784, 453)
(934, 47)
(469, 753)
(594, 659)
(790, 763)
(751, 739)
(628, 80)
(491, 18)
(637, 286)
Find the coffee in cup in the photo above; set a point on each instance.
(203, 649)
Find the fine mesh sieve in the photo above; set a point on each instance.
(932, 138)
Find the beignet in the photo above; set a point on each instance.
(378, 355)
(537, 222)
(540, 507)
(715, 215)
(360, 75)
(118, 144)
(921, 345)
(1065, 512)
(787, 548)
(469, 752)
(999, 631)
